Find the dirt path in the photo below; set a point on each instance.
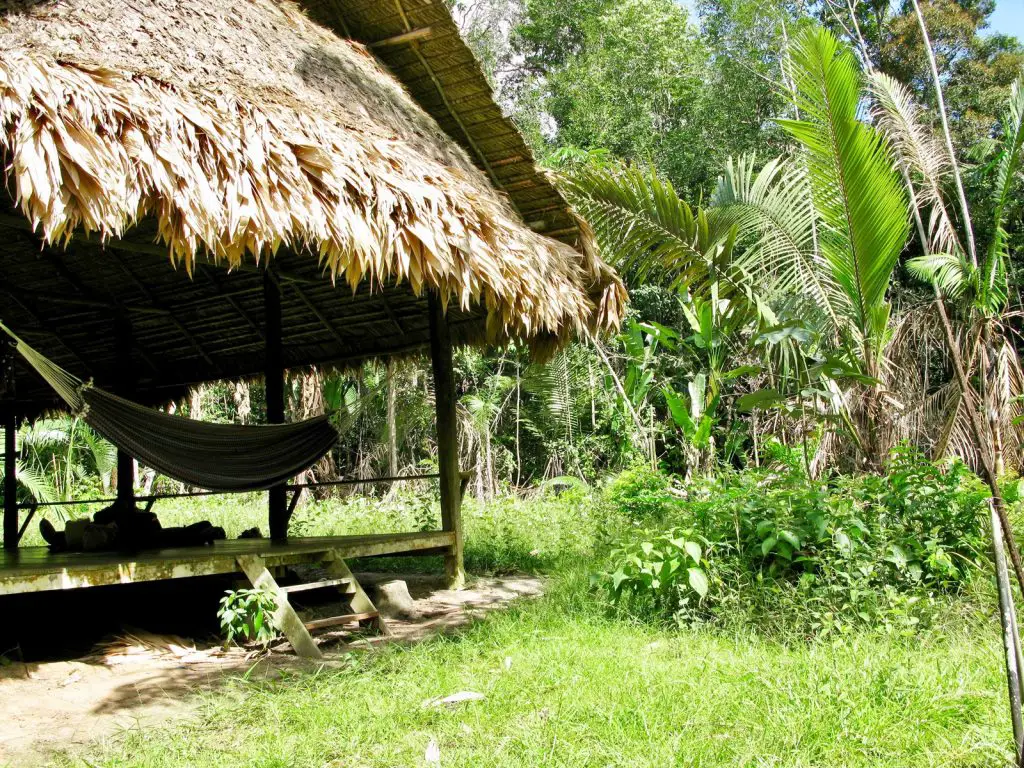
(142, 680)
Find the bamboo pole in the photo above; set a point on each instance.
(1011, 639)
(125, 388)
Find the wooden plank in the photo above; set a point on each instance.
(36, 569)
(447, 439)
(285, 617)
(10, 476)
(314, 585)
(334, 621)
(358, 600)
(406, 37)
(125, 474)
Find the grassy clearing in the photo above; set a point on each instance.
(568, 683)
(565, 685)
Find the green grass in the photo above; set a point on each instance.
(565, 685)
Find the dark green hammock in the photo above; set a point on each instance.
(217, 457)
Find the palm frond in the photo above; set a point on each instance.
(898, 115)
(647, 230)
(773, 211)
(855, 185)
(1007, 164)
(951, 272)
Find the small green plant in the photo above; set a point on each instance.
(663, 571)
(248, 614)
(641, 494)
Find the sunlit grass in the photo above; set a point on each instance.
(565, 685)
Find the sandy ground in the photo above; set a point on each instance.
(142, 680)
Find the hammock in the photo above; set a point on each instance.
(218, 457)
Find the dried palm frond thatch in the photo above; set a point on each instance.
(250, 128)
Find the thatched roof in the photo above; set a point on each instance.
(248, 129)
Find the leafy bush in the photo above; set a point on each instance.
(641, 494)
(660, 571)
(822, 556)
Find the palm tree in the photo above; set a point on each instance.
(827, 226)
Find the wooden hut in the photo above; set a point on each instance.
(202, 191)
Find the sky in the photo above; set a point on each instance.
(1008, 18)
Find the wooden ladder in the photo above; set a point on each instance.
(362, 610)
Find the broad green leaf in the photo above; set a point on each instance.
(763, 398)
(693, 550)
(698, 581)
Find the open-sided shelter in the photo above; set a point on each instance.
(200, 191)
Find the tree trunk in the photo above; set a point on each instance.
(392, 424)
(519, 463)
(982, 440)
(243, 401)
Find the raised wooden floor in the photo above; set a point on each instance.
(36, 569)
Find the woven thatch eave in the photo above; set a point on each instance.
(246, 129)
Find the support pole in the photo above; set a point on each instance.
(10, 479)
(10, 424)
(126, 389)
(447, 439)
(1011, 638)
(277, 497)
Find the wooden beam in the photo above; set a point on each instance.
(189, 336)
(406, 37)
(230, 297)
(115, 244)
(324, 320)
(273, 376)
(447, 439)
(51, 329)
(10, 422)
(34, 569)
(78, 301)
(124, 387)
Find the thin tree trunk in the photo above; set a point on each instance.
(637, 421)
(1011, 638)
(519, 463)
(989, 379)
(984, 445)
(488, 464)
(392, 424)
(965, 209)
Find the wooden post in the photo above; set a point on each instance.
(447, 439)
(10, 422)
(277, 497)
(125, 388)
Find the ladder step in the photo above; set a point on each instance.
(316, 585)
(334, 621)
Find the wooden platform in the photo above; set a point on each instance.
(36, 569)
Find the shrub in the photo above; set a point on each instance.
(641, 494)
(868, 550)
(663, 572)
